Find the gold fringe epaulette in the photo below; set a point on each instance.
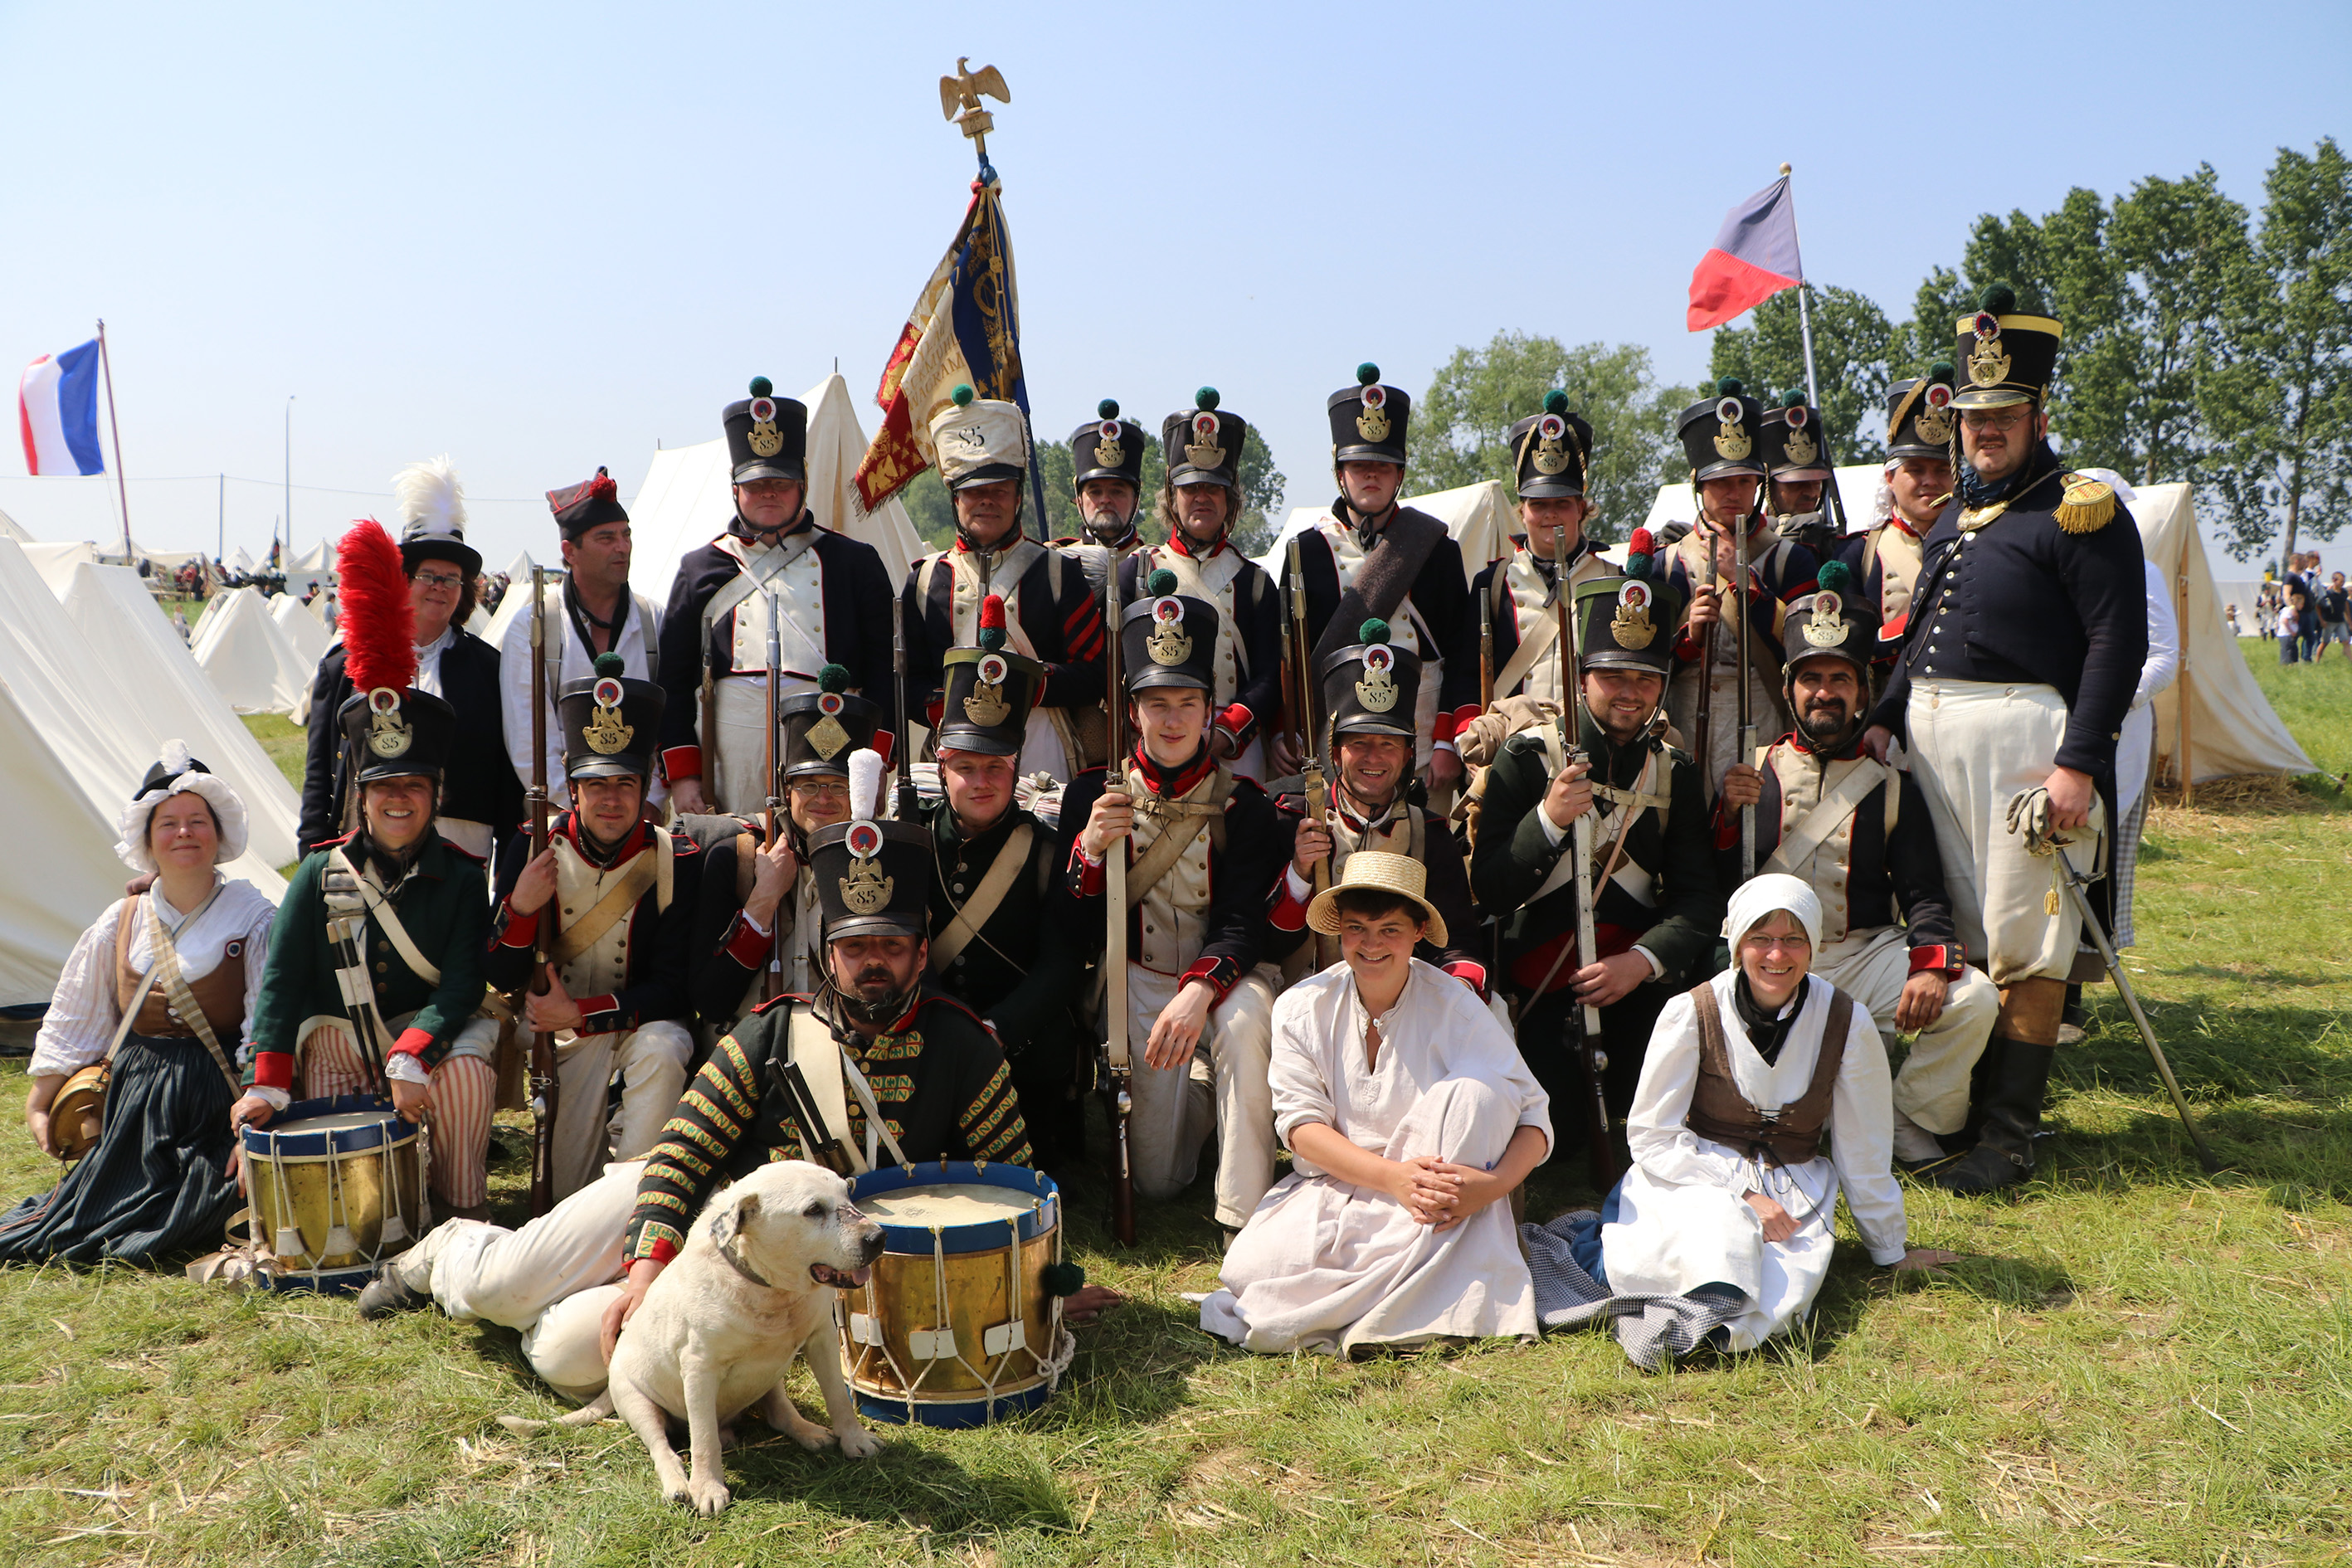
(2087, 506)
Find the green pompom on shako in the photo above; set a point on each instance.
(962, 395)
(1834, 577)
(762, 387)
(832, 678)
(1372, 631)
(612, 664)
(1160, 584)
(1206, 397)
(1555, 400)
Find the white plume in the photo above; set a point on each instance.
(866, 785)
(175, 758)
(430, 498)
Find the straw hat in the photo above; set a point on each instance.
(1388, 873)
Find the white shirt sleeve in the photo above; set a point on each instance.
(514, 699)
(2163, 665)
(1667, 1151)
(83, 1012)
(1862, 1140)
(1294, 1072)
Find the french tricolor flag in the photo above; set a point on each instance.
(1752, 259)
(57, 408)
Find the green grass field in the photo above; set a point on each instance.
(2136, 1364)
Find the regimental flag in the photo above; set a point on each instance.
(57, 409)
(964, 329)
(1753, 258)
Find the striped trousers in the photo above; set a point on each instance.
(463, 1094)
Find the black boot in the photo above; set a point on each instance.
(1980, 1082)
(2004, 1153)
(388, 1293)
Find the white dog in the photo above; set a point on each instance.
(718, 1329)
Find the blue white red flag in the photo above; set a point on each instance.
(56, 409)
(1752, 259)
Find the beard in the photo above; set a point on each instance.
(1826, 723)
(878, 998)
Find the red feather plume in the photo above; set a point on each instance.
(378, 624)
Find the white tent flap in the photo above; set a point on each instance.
(248, 658)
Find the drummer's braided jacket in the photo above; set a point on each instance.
(937, 1073)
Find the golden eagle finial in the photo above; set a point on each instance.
(959, 99)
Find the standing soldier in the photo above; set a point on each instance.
(1515, 597)
(829, 593)
(618, 1000)
(1050, 613)
(1858, 832)
(1727, 473)
(1800, 470)
(1656, 909)
(1203, 854)
(1107, 468)
(1199, 500)
(1885, 557)
(1377, 559)
(2028, 631)
(1364, 808)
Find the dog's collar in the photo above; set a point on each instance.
(727, 1251)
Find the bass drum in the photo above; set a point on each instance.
(338, 1186)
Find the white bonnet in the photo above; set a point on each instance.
(174, 773)
(1756, 898)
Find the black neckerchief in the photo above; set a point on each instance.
(583, 618)
(1610, 754)
(392, 866)
(1367, 528)
(1344, 801)
(1976, 493)
(1169, 784)
(1766, 1033)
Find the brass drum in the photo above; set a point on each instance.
(955, 1326)
(338, 1186)
(77, 1115)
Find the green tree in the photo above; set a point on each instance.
(1459, 432)
(1854, 349)
(2183, 252)
(2282, 406)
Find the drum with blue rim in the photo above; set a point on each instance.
(337, 1186)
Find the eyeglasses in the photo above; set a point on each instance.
(1759, 942)
(440, 580)
(1989, 420)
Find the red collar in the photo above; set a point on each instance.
(1169, 786)
(1181, 544)
(636, 840)
(1899, 521)
(1847, 753)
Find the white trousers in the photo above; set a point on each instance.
(1974, 744)
(1222, 1089)
(652, 1060)
(552, 1279)
(1932, 1090)
(740, 769)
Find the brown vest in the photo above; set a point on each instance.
(1719, 1111)
(220, 993)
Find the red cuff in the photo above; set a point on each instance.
(1442, 729)
(1460, 718)
(521, 930)
(1236, 721)
(682, 762)
(663, 1251)
(1089, 874)
(1288, 913)
(745, 945)
(1217, 972)
(412, 1042)
(931, 712)
(1892, 631)
(1687, 645)
(1939, 959)
(590, 1006)
(273, 1069)
(1474, 973)
(1727, 824)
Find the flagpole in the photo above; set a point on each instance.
(106, 368)
(1804, 311)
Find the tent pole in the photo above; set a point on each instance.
(114, 425)
(2188, 757)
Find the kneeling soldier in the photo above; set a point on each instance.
(627, 893)
(1859, 833)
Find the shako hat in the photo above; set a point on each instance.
(1203, 443)
(1918, 414)
(1830, 620)
(1551, 451)
(1718, 435)
(2004, 357)
(610, 722)
(767, 435)
(873, 878)
(1370, 687)
(980, 440)
(822, 728)
(390, 730)
(591, 503)
(1109, 448)
(1168, 639)
(1794, 445)
(1368, 419)
(432, 507)
(1377, 870)
(1629, 622)
(988, 691)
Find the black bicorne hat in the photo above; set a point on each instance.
(1203, 443)
(873, 878)
(1109, 448)
(611, 722)
(397, 734)
(1367, 420)
(1920, 416)
(159, 776)
(2004, 357)
(589, 504)
(1792, 441)
(1371, 688)
(987, 692)
(821, 728)
(1629, 622)
(767, 435)
(1551, 451)
(1832, 621)
(1720, 435)
(1168, 639)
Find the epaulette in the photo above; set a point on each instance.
(2086, 505)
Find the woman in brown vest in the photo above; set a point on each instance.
(1765, 1094)
(158, 990)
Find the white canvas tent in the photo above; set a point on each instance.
(519, 569)
(11, 528)
(56, 563)
(687, 499)
(308, 635)
(70, 759)
(239, 561)
(1480, 517)
(249, 659)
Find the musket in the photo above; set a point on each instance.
(1118, 1064)
(1703, 743)
(910, 803)
(1313, 790)
(1485, 653)
(1601, 1147)
(774, 980)
(1747, 708)
(546, 1087)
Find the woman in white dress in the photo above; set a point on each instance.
(1732, 1189)
(1411, 1119)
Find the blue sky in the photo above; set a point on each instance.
(545, 237)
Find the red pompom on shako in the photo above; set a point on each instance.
(1642, 544)
(992, 613)
(377, 622)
